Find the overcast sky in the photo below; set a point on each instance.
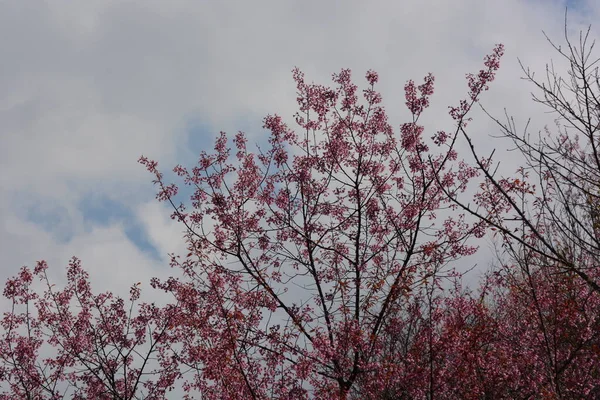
(87, 87)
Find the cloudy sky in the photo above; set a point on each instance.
(87, 87)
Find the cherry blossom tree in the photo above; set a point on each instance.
(71, 343)
(523, 335)
(549, 319)
(299, 254)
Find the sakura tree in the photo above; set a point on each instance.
(519, 337)
(72, 343)
(299, 254)
(549, 325)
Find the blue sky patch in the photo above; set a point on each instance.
(100, 210)
(47, 213)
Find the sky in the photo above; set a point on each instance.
(88, 87)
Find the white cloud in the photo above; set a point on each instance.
(165, 234)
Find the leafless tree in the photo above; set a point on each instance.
(551, 208)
